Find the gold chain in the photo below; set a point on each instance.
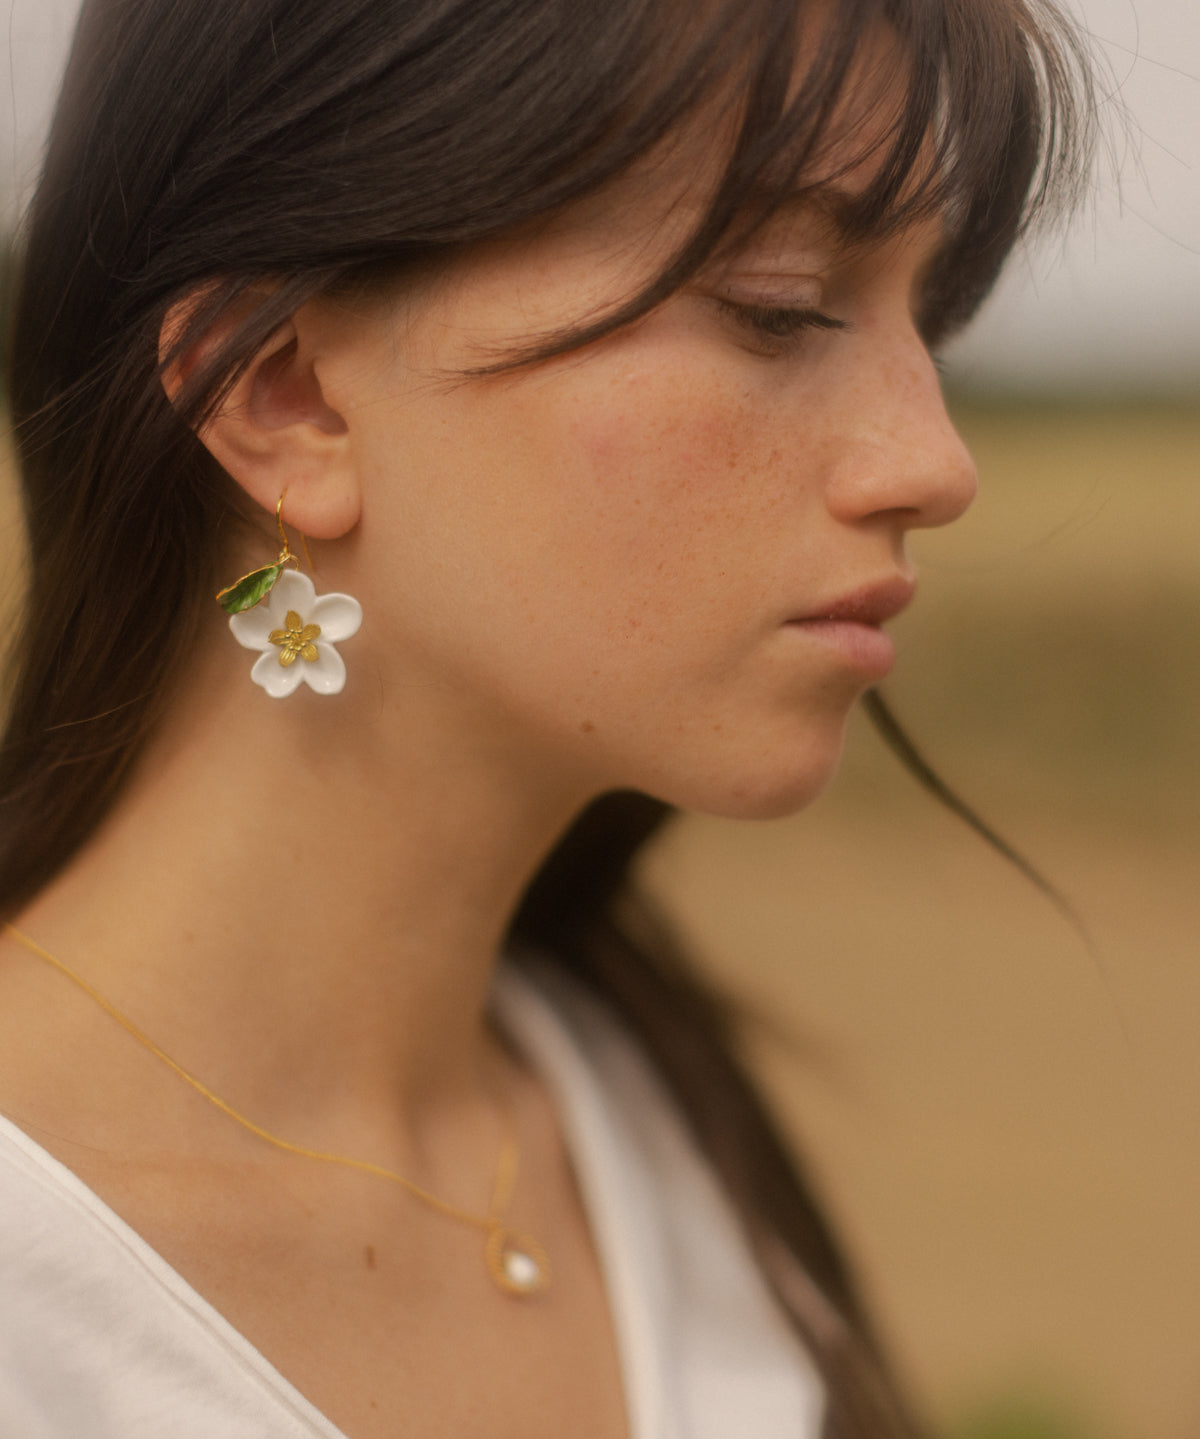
(517, 1263)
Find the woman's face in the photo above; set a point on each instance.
(659, 562)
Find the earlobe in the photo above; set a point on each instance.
(275, 430)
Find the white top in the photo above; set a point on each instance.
(99, 1336)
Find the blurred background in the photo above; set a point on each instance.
(1003, 1111)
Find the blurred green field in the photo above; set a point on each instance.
(1006, 1121)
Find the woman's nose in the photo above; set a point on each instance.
(903, 459)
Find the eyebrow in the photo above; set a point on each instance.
(833, 202)
(839, 207)
(833, 205)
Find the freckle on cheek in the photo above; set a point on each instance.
(587, 727)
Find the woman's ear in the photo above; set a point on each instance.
(275, 430)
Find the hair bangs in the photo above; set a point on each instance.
(977, 112)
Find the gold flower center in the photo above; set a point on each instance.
(296, 640)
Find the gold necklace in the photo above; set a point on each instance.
(517, 1264)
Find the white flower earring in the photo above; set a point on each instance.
(295, 630)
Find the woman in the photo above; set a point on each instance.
(586, 348)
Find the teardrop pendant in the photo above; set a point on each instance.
(518, 1265)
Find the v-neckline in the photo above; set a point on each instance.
(541, 1038)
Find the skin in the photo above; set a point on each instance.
(574, 576)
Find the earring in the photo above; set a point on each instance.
(295, 630)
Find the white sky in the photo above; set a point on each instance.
(1115, 305)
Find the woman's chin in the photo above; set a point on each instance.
(772, 784)
(766, 801)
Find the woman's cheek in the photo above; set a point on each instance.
(659, 454)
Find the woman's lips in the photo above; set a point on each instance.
(850, 625)
(869, 605)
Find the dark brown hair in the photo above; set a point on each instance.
(209, 146)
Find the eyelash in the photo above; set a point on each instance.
(778, 323)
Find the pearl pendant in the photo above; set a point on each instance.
(518, 1265)
(521, 1270)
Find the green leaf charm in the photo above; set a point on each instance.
(245, 593)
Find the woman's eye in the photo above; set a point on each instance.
(777, 323)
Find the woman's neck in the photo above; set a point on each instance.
(306, 897)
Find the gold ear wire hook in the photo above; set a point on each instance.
(285, 554)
